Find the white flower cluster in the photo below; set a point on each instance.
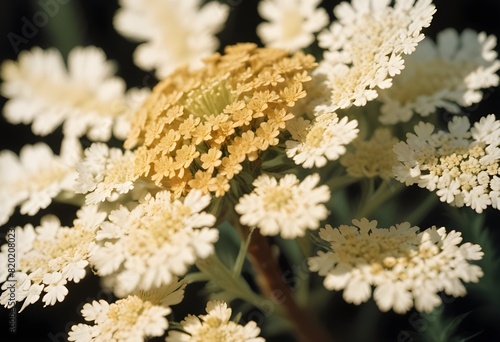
(314, 143)
(160, 238)
(215, 326)
(51, 255)
(406, 268)
(176, 33)
(448, 73)
(288, 207)
(365, 46)
(130, 319)
(461, 165)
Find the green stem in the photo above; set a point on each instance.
(380, 196)
(416, 215)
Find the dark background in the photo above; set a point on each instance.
(89, 22)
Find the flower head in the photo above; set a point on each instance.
(35, 177)
(86, 97)
(198, 127)
(52, 255)
(373, 157)
(175, 33)
(287, 207)
(460, 165)
(325, 138)
(160, 238)
(215, 326)
(133, 318)
(366, 44)
(406, 268)
(446, 74)
(292, 24)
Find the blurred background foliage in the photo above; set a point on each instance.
(90, 22)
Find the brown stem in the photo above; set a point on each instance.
(271, 282)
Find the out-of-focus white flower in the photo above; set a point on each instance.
(35, 177)
(373, 157)
(314, 143)
(292, 23)
(445, 74)
(288, 207)
(215, 326)
(176, 33)
(460, 165)
(85, 97)
(160, 238)
(366, 44)
(133, 318)
(406, 268)
(51, 255)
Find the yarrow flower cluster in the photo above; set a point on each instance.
(461, 165)
(197, 128)
(221, 174)
(366, 44)
(448, 73)
(215, 326)
(175, 33)
(133, 318)
(160, 238)
(406, 268)
(51, 255)
(288, 207)
(314, 143)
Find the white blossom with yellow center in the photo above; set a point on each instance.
(461, 165)
(215, 326)
(366, 44)
(50, 256)
(160, 238)
(288, 207)
(314, 143)
(406, 268)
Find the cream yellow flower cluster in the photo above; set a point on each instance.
(133, 318)
(406, 268)
(365, 46)
(215, 326)
(158, 239)
(198, 127)
(460, 165)
(50, 255)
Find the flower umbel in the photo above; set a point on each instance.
(215, 326)
(460, 165)
(406, 268)
(197, 128)
(288, 207)
(160, 238)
